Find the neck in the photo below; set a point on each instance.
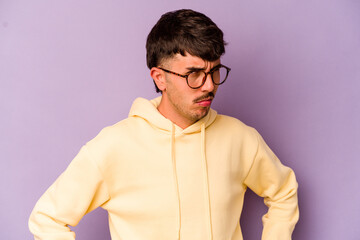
(169, 113)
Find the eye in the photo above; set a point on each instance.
(195, 73)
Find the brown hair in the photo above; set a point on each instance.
(183, 31)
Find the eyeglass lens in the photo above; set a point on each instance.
(196, 79)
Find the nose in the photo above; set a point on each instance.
(208, 84)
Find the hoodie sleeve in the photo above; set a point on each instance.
(277, 184)
(78, 190)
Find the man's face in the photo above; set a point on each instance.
(182, 104)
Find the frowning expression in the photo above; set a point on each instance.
(180, 103)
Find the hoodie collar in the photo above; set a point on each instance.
(147, 110)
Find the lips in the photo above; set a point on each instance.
(205, 102)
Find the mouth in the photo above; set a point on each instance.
(205, 102)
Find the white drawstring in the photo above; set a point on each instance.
(175, 175)
(206, 176)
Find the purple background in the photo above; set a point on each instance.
(69, 68)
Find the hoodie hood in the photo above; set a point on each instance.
(147, 110)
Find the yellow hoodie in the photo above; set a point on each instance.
(160, 182)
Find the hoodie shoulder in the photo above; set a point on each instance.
(234, 126)
(111, 134)
(231, 121)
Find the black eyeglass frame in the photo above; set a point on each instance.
(204, 79)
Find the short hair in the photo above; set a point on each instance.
(184, 31)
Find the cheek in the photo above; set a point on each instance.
(184, 93)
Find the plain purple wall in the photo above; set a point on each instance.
(69, 68)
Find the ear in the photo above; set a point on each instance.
(159, 78)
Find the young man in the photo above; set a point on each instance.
(174, 169)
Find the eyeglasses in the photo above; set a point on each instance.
(197, 78)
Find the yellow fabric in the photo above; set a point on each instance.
(158, 181)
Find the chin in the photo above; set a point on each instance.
(202, 114)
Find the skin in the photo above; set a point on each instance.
(180, 103)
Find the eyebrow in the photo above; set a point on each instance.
(194, 69)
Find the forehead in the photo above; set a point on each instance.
(179, 61)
